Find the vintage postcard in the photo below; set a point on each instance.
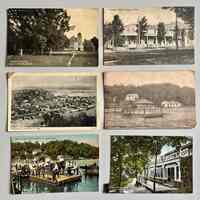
(52, 101)
(52, 37)
(150, 164)
(149, 36)
(149, 99)
(54, 163)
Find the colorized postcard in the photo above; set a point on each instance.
(149, 36)
(59, 163)
(52, 101)
(150, 164)
(149, 99)
(52, 37)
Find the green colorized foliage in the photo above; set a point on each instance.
(131, 154)
(53, 149)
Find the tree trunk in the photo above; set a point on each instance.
(154, 177)
(176, 32)
(120, 172)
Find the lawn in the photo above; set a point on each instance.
(79, 60)
(150, 57)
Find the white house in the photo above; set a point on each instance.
(36, 151)
(75, 43)
(171, 104)
(132, 97)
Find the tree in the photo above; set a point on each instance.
(131, 154)
(154, 92)
(187, 14)
(117, 154)
(34, 29)
(42, 43)
(161, 32)
(117, 28)
(79, 39)
(54, 148)
(141, 28)
(107, 32)
(95, 42)
(88, 45)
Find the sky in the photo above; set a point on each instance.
(91, 139)
(51, 80)
(85, 21)
(180, 78)
(130, 16)
(166, 148)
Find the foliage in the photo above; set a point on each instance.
(95, 42)
(55, 119)
(142, 27)
(53, 149)
(37, 30)
(107, 32)
(186, 14)
(88, 45)
(186, 176)
(117, 28)
(161, 32)
(154, 92)
(130, 155)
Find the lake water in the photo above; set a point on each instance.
(73, 92)
(87, 184)
(181, 118)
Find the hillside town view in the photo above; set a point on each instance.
(65, 163)
(59, 105)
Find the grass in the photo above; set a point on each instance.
(150, 57)
(82, 60)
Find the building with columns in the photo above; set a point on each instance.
(130, 37)
(169, 165)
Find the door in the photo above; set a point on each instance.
(171, 173)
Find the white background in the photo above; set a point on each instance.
(104, 134)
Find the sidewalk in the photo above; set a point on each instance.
(159, 187)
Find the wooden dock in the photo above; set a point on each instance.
(59, 181)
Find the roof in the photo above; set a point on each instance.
(144, 101)
(134, 94)
(170, 102)
(130, 29)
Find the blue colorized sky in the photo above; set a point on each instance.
(91, 139)
(166, 148)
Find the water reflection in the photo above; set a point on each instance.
(87, 184)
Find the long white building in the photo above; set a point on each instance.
(168, 168)
(150, 40)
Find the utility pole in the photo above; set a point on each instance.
(139, 36)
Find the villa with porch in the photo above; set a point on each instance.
(129, 37)
(170, 168)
